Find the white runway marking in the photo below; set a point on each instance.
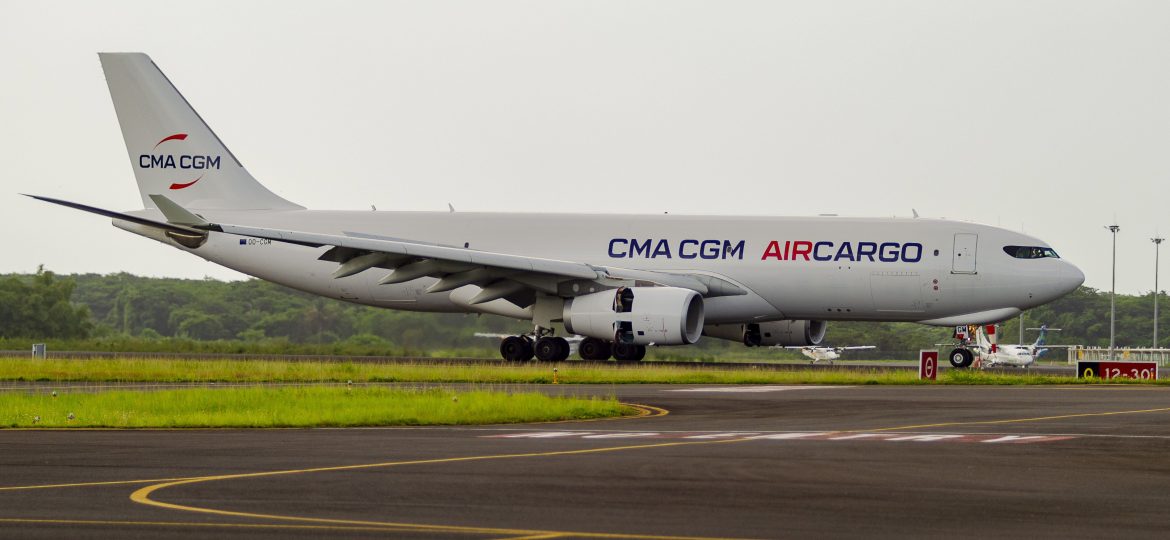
(756, 389)
(989, 438)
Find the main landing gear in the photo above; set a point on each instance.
(547, 348)
(551, 349)
(599, 350)
(623, 352)
(594, 349)
(517, 348)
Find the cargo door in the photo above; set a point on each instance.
(963, 260)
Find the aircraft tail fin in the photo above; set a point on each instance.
(172, 150)
(1042, 337)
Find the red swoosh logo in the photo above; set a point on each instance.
(187, 185)
(175, 137)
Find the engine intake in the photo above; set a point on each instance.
(637, 315)
(767, 334)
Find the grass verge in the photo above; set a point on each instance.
(294, 407)
(266, 371)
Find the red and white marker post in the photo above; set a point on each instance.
(928, 365)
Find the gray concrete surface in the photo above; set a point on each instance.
(744, 462)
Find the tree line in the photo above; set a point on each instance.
(134, 312)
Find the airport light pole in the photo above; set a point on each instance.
(1113, 294)
(1157, 247)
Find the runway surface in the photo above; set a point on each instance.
(743, 462)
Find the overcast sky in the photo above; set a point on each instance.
(1051, 117)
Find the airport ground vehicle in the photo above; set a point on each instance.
(622, 281)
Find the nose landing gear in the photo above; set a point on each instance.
(961, 358)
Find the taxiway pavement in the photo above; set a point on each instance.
(738, 461)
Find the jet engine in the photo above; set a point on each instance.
(637, 315)
(766, 334)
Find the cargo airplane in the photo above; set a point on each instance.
(622, 281)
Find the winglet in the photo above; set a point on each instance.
(176, 214)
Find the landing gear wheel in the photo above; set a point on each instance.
(551, 349)
(565, 349)
(594, 349)
(961, 358)
(516, 349)
(623, 352)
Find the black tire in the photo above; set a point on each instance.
(548, 349)
(623, 352)
(516, 349)
(961, 358)
(594, 349)
(564, 349)
(528, 352)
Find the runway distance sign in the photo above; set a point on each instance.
(928, 365)
(1118, 370)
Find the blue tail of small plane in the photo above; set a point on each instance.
(1037, 350)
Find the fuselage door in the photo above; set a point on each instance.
(963, 260)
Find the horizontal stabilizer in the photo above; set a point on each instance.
(124, 217)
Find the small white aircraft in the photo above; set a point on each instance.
(1020, 356)
(993, 355)
(623, 281)
(827, 354)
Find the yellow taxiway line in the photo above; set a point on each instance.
(143, 495)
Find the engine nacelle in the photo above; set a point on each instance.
(637, 315)
(767, 334)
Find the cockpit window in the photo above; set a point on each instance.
(1030, 252)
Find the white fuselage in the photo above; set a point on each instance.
(1009, 355)
(827, 268)
(817, 354)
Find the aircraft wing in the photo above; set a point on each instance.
(500, 275)
(165, 226)
(516, 278)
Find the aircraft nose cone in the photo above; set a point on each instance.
(1071, 278)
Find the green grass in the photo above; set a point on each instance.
(292, 407)
(256, 371)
